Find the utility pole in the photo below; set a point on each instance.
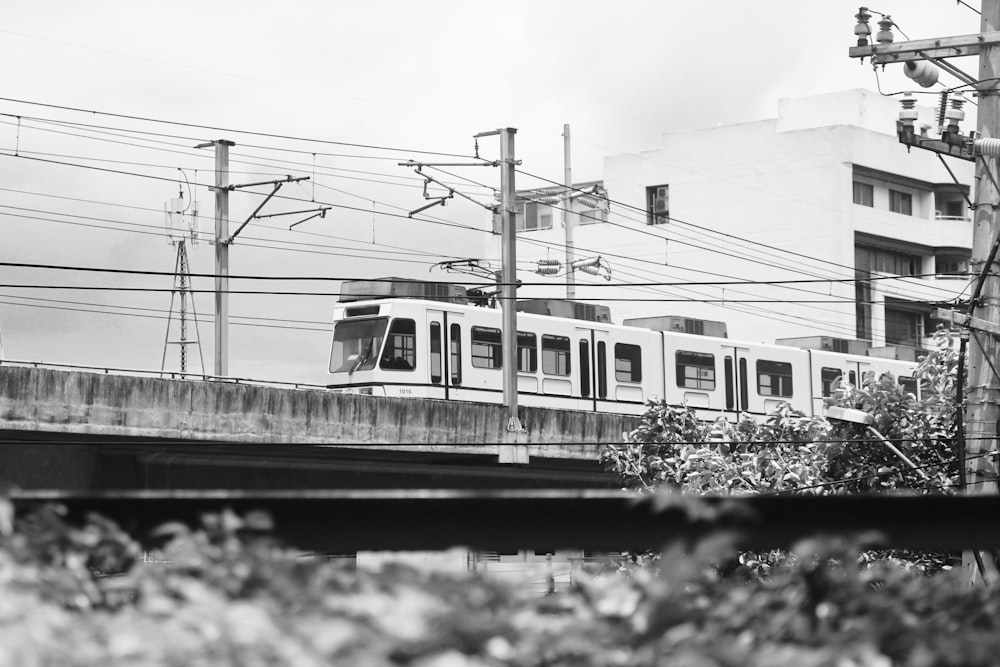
(508, 287)
(982, 406)
(505, 217)
(221, 254)
(983, 402)
(568, 217)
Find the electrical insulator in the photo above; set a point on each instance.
(954, 114)
(884, 34)
(592, 270)
(908, 114)
(862, 30)
(548, 267)
(922, 72)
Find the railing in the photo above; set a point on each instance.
(164, 374)
(347, 521)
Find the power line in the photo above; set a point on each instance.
(708, 230)
(235, 131)
(93, 269)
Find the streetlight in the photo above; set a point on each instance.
(837, 413)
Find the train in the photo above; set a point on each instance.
(406, 338)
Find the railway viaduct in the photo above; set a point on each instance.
(75, 430)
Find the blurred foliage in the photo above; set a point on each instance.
(227, 594)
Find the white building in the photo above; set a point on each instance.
(822, 193)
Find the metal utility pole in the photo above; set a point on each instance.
(568, 217)
(505, 217)
(221, 254)
(508, 287)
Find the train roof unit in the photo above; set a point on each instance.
(572, 310)
(828, 344)
(680, 324)
(401, 288)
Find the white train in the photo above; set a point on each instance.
(425, 340)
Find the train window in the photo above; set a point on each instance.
(909, 384)
(400, 352)
(455, 336)
(730, 384)
(527, 352)
(774, 378)
(852, 377)
(356, 344)
(584, 368)
(602, 369)
(555, 355)
(695, 370)
(828, 376)
(486, 348)
(435, 339)
(628, 363)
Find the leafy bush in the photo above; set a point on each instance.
(789, 451)
(228, 595)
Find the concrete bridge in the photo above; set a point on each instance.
(91, 430)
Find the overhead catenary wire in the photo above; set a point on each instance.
(214, 128)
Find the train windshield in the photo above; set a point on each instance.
(356, 345)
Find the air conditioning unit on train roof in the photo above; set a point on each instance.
(680, 324)
(573, 310)
(827, 344)
(898, 352)
(400, 288)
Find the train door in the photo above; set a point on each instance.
(736, 378)
(603, 367)
(444, 354)
(584, 346)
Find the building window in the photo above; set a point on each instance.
(869, 260)
(864, 194)
(954, 209)
(902, 327)
(486, 348)
(951, 264)
(658, 205)
(863, 309)
(590, 216)
(628, 363)
(900, 202)
(555, 355)
(532, 216)
(774, 378)
(400, 352)
(695, 370)
(527, 352)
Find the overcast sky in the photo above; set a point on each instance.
(341, 92)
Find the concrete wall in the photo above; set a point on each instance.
(93, 405)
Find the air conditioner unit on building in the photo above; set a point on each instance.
(660, 205)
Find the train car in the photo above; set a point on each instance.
(405, 339)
